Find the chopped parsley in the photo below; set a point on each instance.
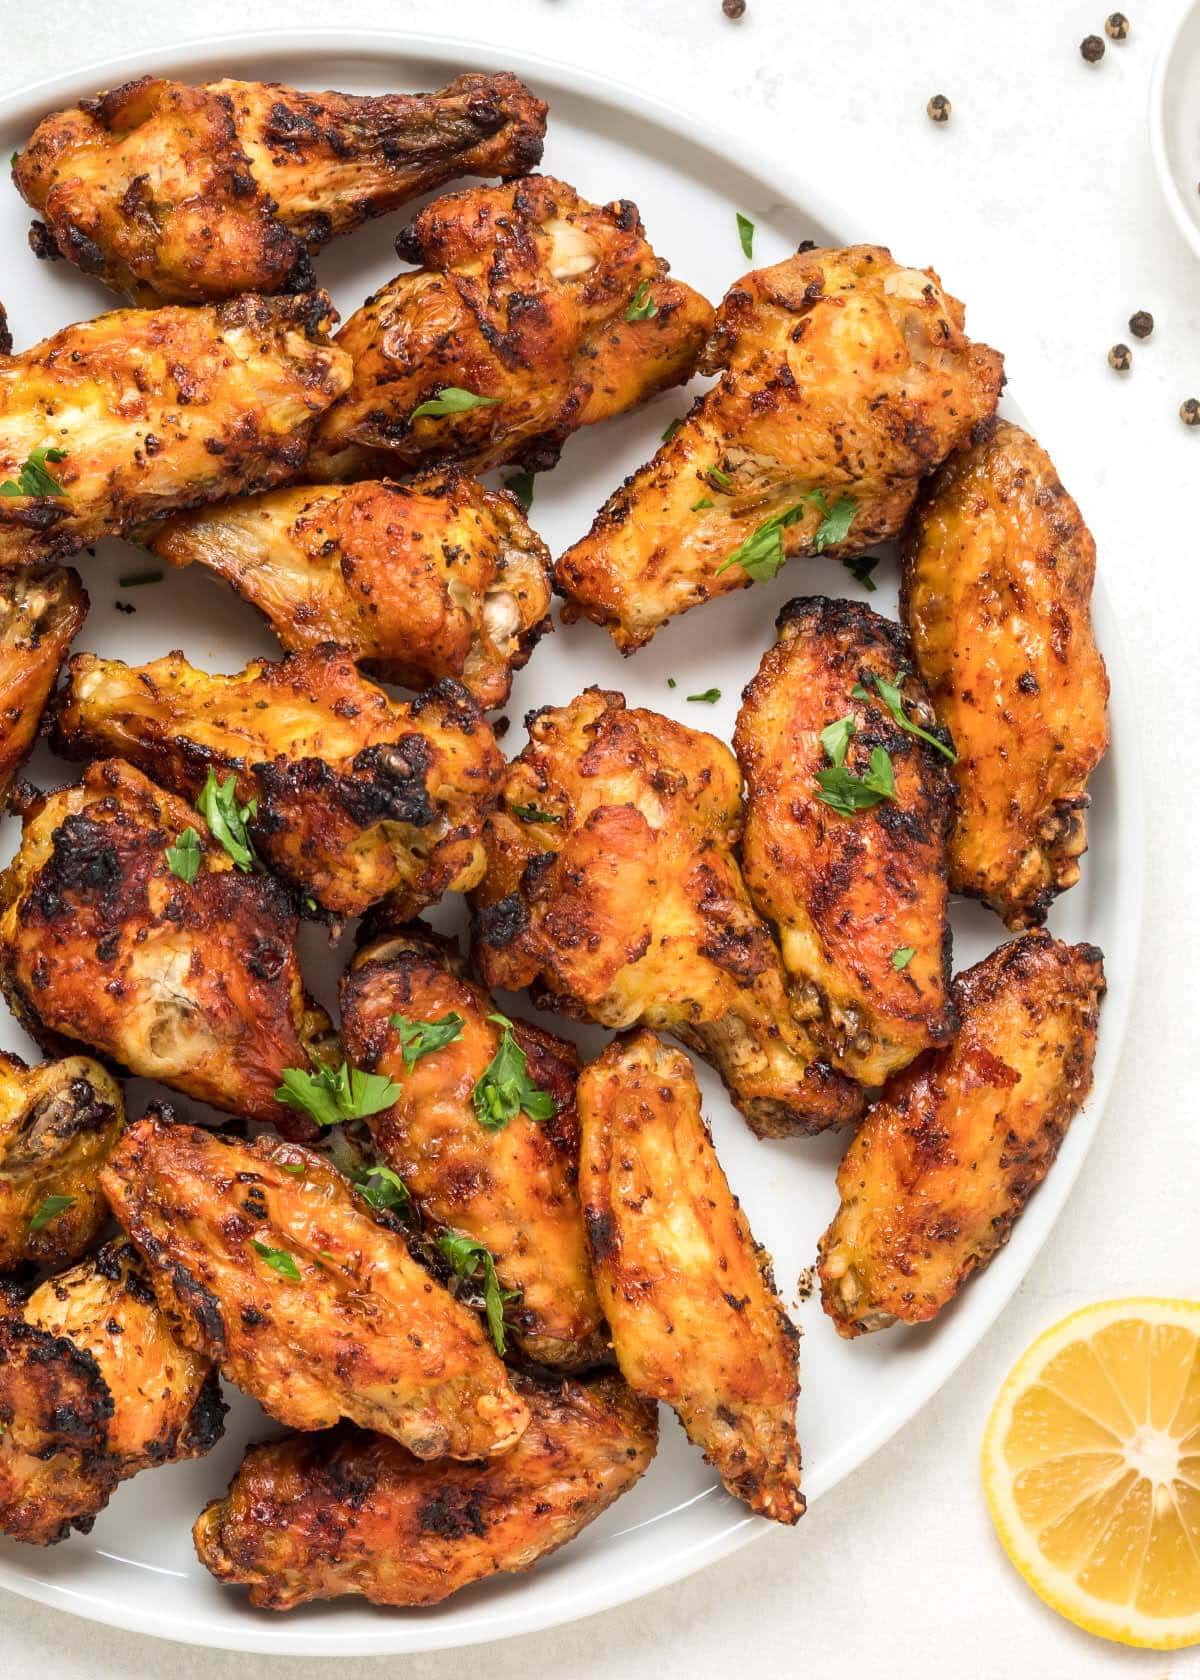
(672, 427)
(332, 1095)
(708, 698)
(385, 1191)
(34, 480)
(471, 1261)
(836, 737)
(533, 814)
(860, 567)
(761, 555)
(720, 479)
(183, 858)
(902, 956)
(671, 682)
(642, 307)
(134, 580)
(847, 793)
(745, 229)
(520, 485)
(889, 693)
(505, 1089)
(278, 1259)
(227, 820)
(451, 399)
(836, 521)
(422, 1038)
(704, 502)
(50, 1209)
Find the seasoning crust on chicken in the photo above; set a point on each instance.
(614, 891)
(270, 1265)
(41, 611)
(996, 593)
(945, 1161)
(843, 375)
(192, 194)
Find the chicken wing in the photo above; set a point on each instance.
(509, 1184)
(94, 1387)
(352, 796)
(320, 1516)
(58, 1123)
(996, 593)
(555, 311)
(41, 611)
(941, 1168)
(845, 378)
(144, 412)
(269, 1263)
(612, 886)
(441, 578)
(192, 982)
(858, 894)
(191, 194)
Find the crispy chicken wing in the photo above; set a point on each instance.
(512, 1188)
(687, 1292)
(192, 983)
(359, 797)
(843, 376)
(996, 593)
(441, 578)
(41, 611)
(268, 1261)
(320, 1516)
(859, 898)
(941, 1168)
(58, 1123)
(192, 194)
(94, 1387)
(145, 412)
(555, 310)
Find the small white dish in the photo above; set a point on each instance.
(1175, 123)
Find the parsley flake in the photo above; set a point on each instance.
(708, 698)
(470, 1260)
(504, 1089)
(860, 567)
(745, 229)
(642, 307)
(704, 502)
(534, 814)
(331, 1095)
(889, 693)
(422, 1038)
(278, 1259)
(836, 737)
(902, 956)
(761, 555)
(34, 480)
(135, 580)
(50, 1209)
(847, 793)
(720, 479)
(672, 428)
(836, 520)
(520, 485)
(385, 1191)
(227, 819)
(183, 858)
(451, 399)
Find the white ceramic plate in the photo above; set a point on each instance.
(137, 1569)
(1175, 122)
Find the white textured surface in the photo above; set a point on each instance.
(1038, 203)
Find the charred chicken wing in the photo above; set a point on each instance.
(441, 578)
(942, 1166)
(192, 194)
(844, 378)
(858, 894)
(506, 1179)
(103, 942)
(996, 594)
(351, 795)
(270, 1264)
(554, 311)
(144, 412)
(40, 612)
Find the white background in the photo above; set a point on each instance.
(1038, 198)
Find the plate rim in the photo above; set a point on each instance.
(1157, 120)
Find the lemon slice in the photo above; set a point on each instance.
(1091, 1467)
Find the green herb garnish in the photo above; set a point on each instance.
(469, 1259)
(902, 956)
(672, 427)
(452, 399)
(721, 479)
(520, 484)
(505, 1089)
(745, 229)
(847, 793)
(889, 693)
(860, 567)
(642, 307)
(34, 480)
(332, 1095)
(836, 523)
(50, 1209)
(183, 858)
(761, 555)
(533, 814)
(422, 1038)
(135, 580)
(278, 1259)
(708, 698)
(385, 1190)
(227, 819)
(836, 737)
(704, 502)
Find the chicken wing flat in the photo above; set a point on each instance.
(320, 1516)
(687, 1292)
(996, 593)
(41, 611)
(58, 1123)
(418, 582)
(358, 797)
(192, 194)
(858, 895)
(94, 1387)
(941, 1168)
(144, 412)
(509, 1184)
(555, 311)
(844, 379)
(613, 888)
(192, 982)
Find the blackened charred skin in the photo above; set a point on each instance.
(6, 342)
(602, 1235)
(499, 924)
(83, 863)
(206, 1423)
(452, 1513)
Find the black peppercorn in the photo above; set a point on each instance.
(1120, 357)
(1116, 26)
(1189, 412)
(1141, 323)
(938, 108)
(733, 8)
(1092, 48)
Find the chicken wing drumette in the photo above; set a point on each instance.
(440, 578)
(858, 895)
(41, 611)
(144, 412)
(942, 1166)
(996, 593)
(192, 982)
(845, 378)
(270, 1264)
(553, 310)
(191, 194)
(613, 889)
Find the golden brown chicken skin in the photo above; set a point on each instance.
(359, 797)
(843, 375)
(192, 983)
(94, 1386)
(440, 578)
(41, 611)
(273, 1267)
(514, 1188)
(941, 1168)
(996, 593)
(192, 194)
(58, 1123)
(148, 412)
(523, 296)
(613, 889)
(687, 1292)
(859, 899)
(321, 1516)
